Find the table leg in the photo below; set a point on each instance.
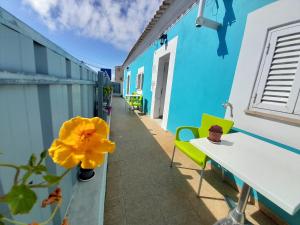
(237, 215)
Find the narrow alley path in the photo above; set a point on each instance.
(143, 190)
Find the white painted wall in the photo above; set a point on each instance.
(258, 22)
(158, 54)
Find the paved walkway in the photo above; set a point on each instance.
(143, 190)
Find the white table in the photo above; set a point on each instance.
(272, 171)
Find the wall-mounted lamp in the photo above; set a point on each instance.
(163, 39)
(202, 21)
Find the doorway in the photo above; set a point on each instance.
(162, 79)
(161, 87)
(128, 84)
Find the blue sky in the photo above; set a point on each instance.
(99, 32)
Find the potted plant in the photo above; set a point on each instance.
(83, 142)
(215, 133)
(85, 174)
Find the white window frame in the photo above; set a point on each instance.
(292, 108)
(139, 81)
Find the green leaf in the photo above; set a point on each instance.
(43, 154)
(52, 179)
(25, 167)
(32, 160)
(26, 176)
(1, 223)
(39, 169)
(21, 199)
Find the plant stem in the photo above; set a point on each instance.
(42, 223)
(9, 165)
(13, 221)
(43, 185)
(65, 173)
(17, 176)
(51, 216)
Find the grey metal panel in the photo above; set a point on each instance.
(75, 72)
(10, 58)
(76, 100)
(21, 135)
(55, 62)
(60, 113)
(84, 100)
(27, 55)
(84, 74)
(40, 58)
(33, 106)
(90, 101)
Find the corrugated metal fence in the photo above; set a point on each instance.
(41, 86)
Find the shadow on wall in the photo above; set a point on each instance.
(145, 110)
(228, 20)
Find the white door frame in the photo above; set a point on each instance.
(158, 54)
(128, 83)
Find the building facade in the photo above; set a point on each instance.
(119, 73)
(193, 70)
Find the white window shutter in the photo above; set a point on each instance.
(279, 73)
(297, 107)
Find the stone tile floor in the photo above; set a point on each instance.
(143, 190)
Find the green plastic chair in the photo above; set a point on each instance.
(137, 102)
(194, 153)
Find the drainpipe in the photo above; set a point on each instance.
(202, 21)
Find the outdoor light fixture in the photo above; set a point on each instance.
(201, 21)
(163, 39)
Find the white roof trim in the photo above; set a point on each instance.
(168, 14)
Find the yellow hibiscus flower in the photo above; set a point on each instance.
(81, 140)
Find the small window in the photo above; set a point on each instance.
(68, 68)
(139, 81)
(278, 80)
(40, 57)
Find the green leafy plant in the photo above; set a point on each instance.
(22, 196)
(107, 91)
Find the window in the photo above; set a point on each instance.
(139, 81)
(278, 81)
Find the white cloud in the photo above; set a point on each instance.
(119, 22)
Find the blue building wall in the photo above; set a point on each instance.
(204, 69)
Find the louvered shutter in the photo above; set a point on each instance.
(279, 74)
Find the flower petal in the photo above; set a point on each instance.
(108, 145)
(63, 154)
(91, 161)
(101, 126)
(71, 130)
